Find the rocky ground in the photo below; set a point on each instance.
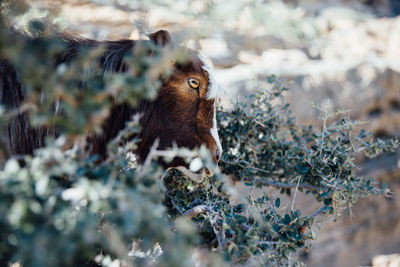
(341, 54)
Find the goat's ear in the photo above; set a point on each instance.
(161, 38)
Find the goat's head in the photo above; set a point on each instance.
(184, 111)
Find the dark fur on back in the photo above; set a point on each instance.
(23, 138)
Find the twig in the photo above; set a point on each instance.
(254, 168)
(273, 242)
(195, 211)
(148, 159)
(220, 233)
(289, 185)
(288, 225)
(174, 204)
(295, 193)
(319, 211)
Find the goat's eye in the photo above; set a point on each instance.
(193, 83)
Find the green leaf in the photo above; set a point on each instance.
(277, 202)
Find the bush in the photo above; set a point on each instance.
(61, 208)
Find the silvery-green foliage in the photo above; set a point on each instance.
(61, 207)
(267, 147)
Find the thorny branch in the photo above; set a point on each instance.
(218, 230)
(195, 211)
(289, 185)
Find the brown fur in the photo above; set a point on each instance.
(180, 114)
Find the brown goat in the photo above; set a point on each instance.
(183, 113)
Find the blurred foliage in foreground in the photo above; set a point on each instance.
(63, 209)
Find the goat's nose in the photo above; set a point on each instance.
(217, 155)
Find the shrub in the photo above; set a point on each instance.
(61, 208)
